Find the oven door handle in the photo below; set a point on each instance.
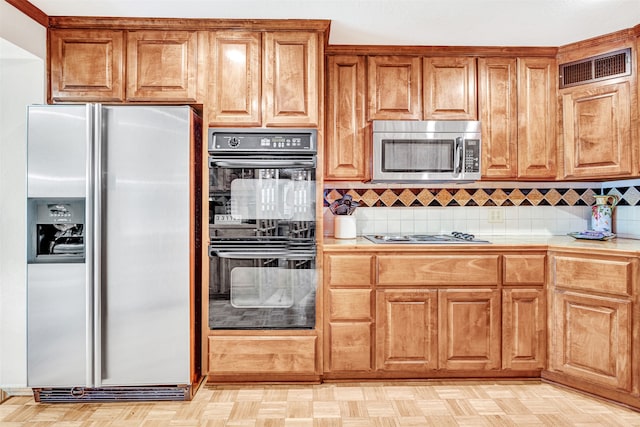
(262, 163)
(262, 254)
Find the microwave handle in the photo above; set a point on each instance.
(458, 156)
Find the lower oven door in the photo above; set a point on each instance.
(262, 289)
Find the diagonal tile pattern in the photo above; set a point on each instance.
(446, 197)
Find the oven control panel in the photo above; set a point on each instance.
(265, 140)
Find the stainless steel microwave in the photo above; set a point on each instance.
(417, 151)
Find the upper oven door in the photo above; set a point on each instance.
(262, 196)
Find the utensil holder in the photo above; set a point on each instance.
(344, 227)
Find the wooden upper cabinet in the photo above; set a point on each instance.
(291, 78)
(498, 104)
(597, 131)
(347, 149)
(537, 144)
(234, 93)
(394, 87)
(86, 65)
(450, 88)
(162, 66)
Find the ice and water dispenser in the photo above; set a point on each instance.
(57, 230)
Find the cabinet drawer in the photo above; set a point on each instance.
(350, 304)
(603, 274)
(350, 346)
(524, 269)
(348, 270)
(438, 270)
(262, 355)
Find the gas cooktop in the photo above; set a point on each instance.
(455, 237)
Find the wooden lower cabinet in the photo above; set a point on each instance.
(524, 326)
(592, 338)
(242, 357)
(350, 347)
(406, 330)
(469, 329)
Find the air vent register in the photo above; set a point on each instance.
(596, 68)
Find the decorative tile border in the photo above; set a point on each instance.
(446, 197)
(629, 196)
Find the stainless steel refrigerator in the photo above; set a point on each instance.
(113, 276)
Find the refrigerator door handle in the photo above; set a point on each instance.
(88, 244)
(97, 244)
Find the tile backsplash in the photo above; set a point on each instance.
(494, 209)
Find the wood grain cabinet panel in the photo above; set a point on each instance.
(537, 145)
(291, 79)
(406, 330)
(350, 304)
(347, 149)
(395, 270)
(524, 326)
(348, 270)
(262, 355)
(450, 89)
(162, 66)
(235, 78)
(498, 105)
(593, 338)
(394, 88)
(524, 269)
(601, 274)
(597, 131)
(86, 65)
(350, 346)
(469, 329)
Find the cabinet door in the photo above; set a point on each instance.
(291, 79)
(86, 65)
(597, 131)
(406, 331)
(394, 88)
(537, 145)
(234, 90)
(450, 89)
(592, 338)
(523, 329)
(162, 66)
(469, 329)
(347, 149)
(498, 117)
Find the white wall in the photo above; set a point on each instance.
(22, 82)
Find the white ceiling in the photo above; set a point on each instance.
(397, 22)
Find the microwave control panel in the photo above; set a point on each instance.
(472, 155)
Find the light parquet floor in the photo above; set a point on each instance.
(378, 404)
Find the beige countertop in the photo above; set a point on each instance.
(497, 242)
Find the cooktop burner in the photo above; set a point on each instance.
(454, 237)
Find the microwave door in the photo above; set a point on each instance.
(420, 158)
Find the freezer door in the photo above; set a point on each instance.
(57, 150)
(144, 333)
(56, 325)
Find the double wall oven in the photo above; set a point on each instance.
(262, 228)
